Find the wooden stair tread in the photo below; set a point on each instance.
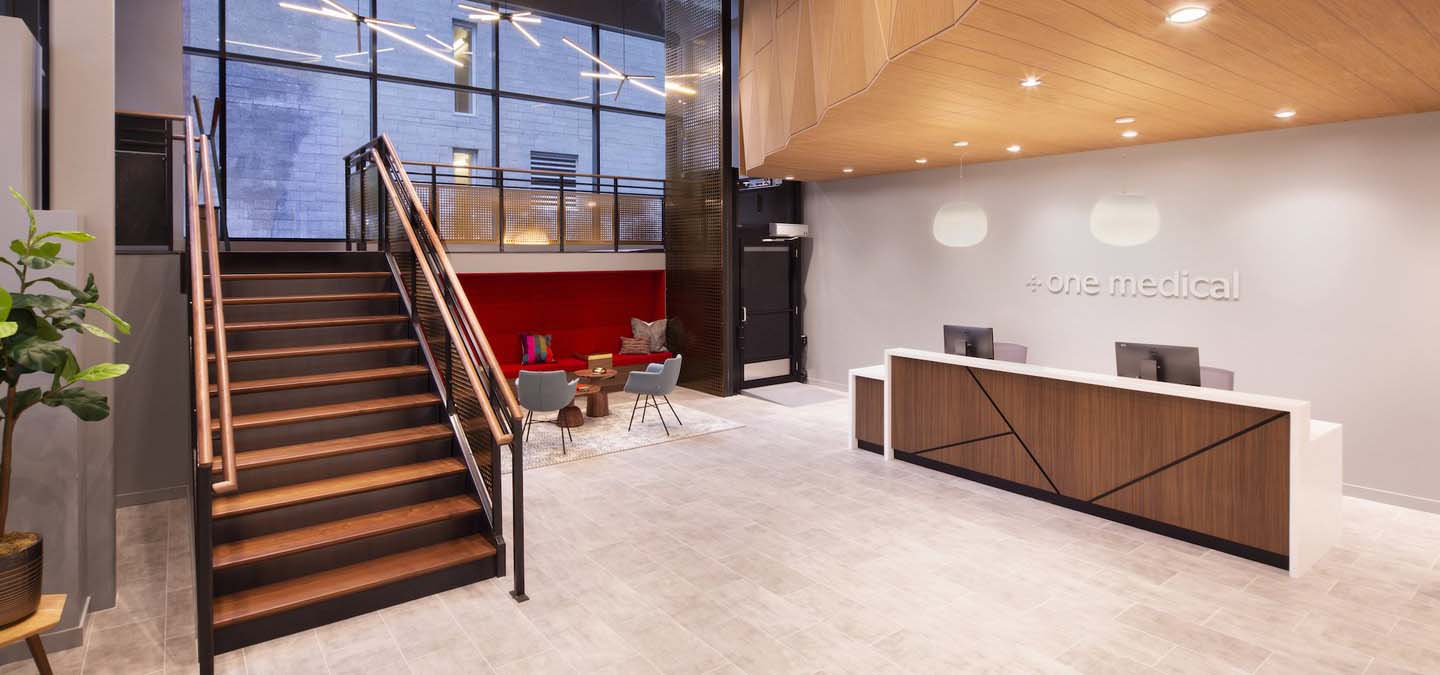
(331, 447)
(327, 322)
(314, 297)
(285, 276)
(329, 411)
(270, 599)
(320, 350)
(287, 542)
(226, 506)
(321, 379)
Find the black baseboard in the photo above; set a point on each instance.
(305, 618)
(1174, 532)
(872, 447)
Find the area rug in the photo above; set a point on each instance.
(794, 394)
(607, 435)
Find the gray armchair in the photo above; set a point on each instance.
(545, 391)
(656, 380)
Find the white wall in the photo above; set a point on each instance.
(19, 116)
(1335, 230)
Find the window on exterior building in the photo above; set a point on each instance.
(299, 90)
(463, 159)
(462, 37)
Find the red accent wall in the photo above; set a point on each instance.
(586, 312)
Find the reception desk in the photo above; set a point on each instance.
(1246, 474)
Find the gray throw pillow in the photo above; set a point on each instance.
(651, 331)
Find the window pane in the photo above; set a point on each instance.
(436, 23)
(269, 30)
(202, 24)
(202, 79)
(424, 128)
(553, 68)
(633, 55)
(632, 145)
(288, 130)
(546, 137)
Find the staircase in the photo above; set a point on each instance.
(349, 419)
(350, 481)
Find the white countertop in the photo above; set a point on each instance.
(1134, 384)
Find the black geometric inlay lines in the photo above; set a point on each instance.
(1018, 437)
(1190, 456)
(955, 445)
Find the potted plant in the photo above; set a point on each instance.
(32, 325)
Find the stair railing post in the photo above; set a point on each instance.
(435, 201)
(615, 212)
(517, 512)
(500, 210)
(560, 217)
(364, 204)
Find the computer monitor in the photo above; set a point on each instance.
(1161, 363)
(970, 341)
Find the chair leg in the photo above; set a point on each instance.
(632, 413)
(563, 450)
(672, 411)
(571, 433)
(663, 425)
(645, 409)
(529, 418)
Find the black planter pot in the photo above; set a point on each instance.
(20, 582)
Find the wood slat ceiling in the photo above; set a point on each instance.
(875, 84)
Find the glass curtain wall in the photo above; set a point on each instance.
(303, 88)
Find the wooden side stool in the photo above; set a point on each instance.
(29, 630)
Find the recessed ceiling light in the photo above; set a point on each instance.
(1125, 120)
(789, 178)
(1189, 14)
(1014, 148)
(960, 144)
(1285, 114)
(1129, 133)
(1030, 81)
(921, 160)
(848, 169)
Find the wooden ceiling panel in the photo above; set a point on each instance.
(893, 80)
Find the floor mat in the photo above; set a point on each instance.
(794, 394)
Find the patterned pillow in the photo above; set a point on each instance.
(535, 348)
(653, 331)
(634, 345)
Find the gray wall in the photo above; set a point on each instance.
(1333, 228)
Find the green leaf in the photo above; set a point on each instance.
(120, 324)
(88, 405)
(47, 250)
(19, 247)
(8, 328)
(26, 204)
(98, 332)
(68, 372)
(40, 301)
(46, 330)
(6, 302)
(40, 354)
(101, 371)
(27, 398)
(71, 235)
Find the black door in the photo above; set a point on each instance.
(769, 339)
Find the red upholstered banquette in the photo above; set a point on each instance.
(585, 312)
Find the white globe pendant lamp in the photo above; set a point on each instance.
(960, 224)
(1125, 219)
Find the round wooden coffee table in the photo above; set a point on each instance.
(570, 415)
(597, 402)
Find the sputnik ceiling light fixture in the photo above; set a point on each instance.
(334, 10)
(622, 77)
(516, 19)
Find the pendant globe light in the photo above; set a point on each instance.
(1125, 218)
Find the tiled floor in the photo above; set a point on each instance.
(773, 548)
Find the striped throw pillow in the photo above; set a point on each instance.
(535, 348)
(634, 345)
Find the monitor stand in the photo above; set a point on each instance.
(1150, 370)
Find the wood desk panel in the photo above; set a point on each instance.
(870, 412)
(1215, 473)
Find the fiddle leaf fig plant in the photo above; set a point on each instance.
(35, 315)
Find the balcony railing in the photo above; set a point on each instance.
(500, 209)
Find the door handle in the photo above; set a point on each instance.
(744, 314)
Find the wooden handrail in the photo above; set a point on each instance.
(204, 448)
(217, 313)
(202, 236)
(497, 431)
(547, 172)
(497, 375)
